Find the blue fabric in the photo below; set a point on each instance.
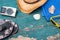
(56, 4)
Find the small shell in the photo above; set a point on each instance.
(36, 16)
(52, 9)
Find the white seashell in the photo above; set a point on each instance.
(52, 9)
(36, 16)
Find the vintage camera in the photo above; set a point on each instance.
(9, 11)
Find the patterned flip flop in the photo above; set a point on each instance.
(15, 27)
(6, 32)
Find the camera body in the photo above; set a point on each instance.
(9, 11)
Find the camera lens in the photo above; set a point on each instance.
(9, 11)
